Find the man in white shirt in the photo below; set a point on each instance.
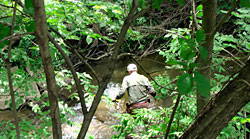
(138, 87)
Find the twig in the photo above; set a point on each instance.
(167, 84)
(149, 74)
(150, 46)
(172, 115)
(218, 26)
(88, 65)
(6, 6)
(16, 36)
(242, 64)
(195, 23)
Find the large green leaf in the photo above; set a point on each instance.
(203, 84)
(187, 53)
(185, 83)
(203, 52)
(200, 36)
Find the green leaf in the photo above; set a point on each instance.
(243, 120)
(200, 14)
(245, 3)
(157, 4)
(110, 13)
(180, 2)
(181, 41)
(89, 40)
(141, 3)
(28, 7)
(248, 46)
(187, 53)
(199, 8)
(185, 83)
(191, 43)
(203, 84)
(4, 31)
(30, 26)
(193, 65)
(203, 52)
(200, 36)
(172, 62)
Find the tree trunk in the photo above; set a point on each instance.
(8, 67)
(221, 108)
(208, 25)
(41, 35)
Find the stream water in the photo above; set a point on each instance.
(101, 125)
(104, 119)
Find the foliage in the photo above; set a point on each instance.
(78, 20)
(162, 80)
(38, 126)
(184, 50)
(148, 123)
(23, 83)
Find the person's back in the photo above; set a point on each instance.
(138, 87)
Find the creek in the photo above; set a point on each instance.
(103, 120)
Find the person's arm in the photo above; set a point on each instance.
(150, 88)
(123, 89)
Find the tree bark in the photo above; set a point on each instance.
(208, 25)
(42, 38)
(221, 108)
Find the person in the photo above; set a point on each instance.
(138, 88)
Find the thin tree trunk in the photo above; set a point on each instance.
(208, 25)
(221, 108)
(42, 38)
(8, 67)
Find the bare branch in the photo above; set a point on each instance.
(76, 52)
(195, 23)
(70, 65)
(16, 36)
(88, 65)
(150, 75)
(235, 5)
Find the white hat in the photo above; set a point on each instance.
(131, 67)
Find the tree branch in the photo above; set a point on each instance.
(195, 24)
(16, 36)
(218, 26)
(76, 52)
(149, 75)
(71, 67)
(172, 115)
